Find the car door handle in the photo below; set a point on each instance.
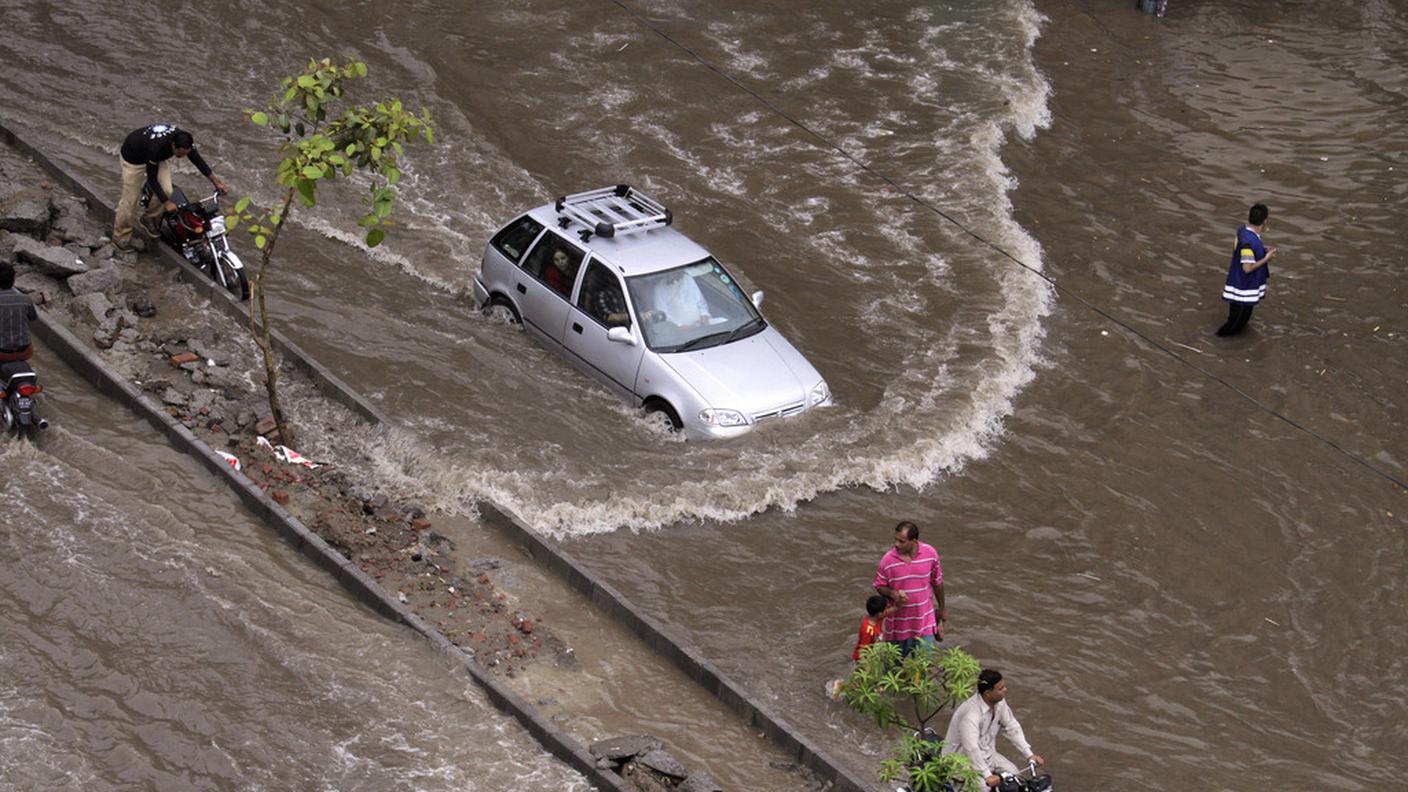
(522, 289)
(576, 328)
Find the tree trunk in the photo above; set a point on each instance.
(260, 330)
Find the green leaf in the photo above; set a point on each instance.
(307, 81)
(393, 175)
(242, 204)
(260, 118)
(361, 68)
(290, 93)
(374, 237)
(259, 241)
(307, 191)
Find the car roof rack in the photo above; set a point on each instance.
(612, 211)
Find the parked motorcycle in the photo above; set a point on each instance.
(197, 231)
(17, 400)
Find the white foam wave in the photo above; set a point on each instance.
(937, 410)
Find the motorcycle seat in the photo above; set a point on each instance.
(17, 368)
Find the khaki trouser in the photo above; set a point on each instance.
(133, 177)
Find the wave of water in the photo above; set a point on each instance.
(923, 425)
(932, 372)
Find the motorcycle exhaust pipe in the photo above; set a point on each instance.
(43, 424)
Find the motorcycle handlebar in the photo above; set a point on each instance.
(214, 197)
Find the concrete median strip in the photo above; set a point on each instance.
(86, 362)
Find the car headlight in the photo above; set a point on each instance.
(711, 416)
(820, 394)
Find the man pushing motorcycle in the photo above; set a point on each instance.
(146, 160)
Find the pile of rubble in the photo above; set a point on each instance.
(644, 763)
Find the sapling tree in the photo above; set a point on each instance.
(321, 140)
(907, 693)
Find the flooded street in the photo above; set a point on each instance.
(1172, 545)
(157, 636)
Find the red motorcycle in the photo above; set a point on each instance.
(197, 231)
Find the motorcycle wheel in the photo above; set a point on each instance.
(206, 261)
(233, 278)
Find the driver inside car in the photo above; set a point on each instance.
(679, 300)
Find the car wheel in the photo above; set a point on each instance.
(659, 412)
(501, 310)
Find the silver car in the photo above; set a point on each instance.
(603, 279)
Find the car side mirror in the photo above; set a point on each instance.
(757, 298)
(621, 335)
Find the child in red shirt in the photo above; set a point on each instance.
(871, 629)
(876, 609)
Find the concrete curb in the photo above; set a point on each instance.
(614, 604)
(79, 357)
(83, 360)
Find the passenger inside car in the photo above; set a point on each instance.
(560, 273)
(603, 299)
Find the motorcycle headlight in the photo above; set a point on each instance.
(820, 394)
(715, 417)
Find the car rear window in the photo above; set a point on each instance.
(516, 237)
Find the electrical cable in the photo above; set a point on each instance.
(827, 143)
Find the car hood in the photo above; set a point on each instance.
(754, 374)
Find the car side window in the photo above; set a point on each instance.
(555, 262)
(602, 297)
(516, 237)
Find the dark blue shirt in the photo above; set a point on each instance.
(1246, 287)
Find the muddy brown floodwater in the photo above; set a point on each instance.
(1186, 554)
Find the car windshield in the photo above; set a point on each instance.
(695, 306)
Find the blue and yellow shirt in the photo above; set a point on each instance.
(1246, 287)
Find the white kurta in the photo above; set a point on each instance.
(973, 733)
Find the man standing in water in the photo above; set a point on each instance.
(1246, 277)
(146, 159)
(906, 574)
(976, 722)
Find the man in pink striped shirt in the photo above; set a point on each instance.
(907, 573)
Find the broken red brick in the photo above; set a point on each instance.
(279, 497)
(184, 357)
(420, 524)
